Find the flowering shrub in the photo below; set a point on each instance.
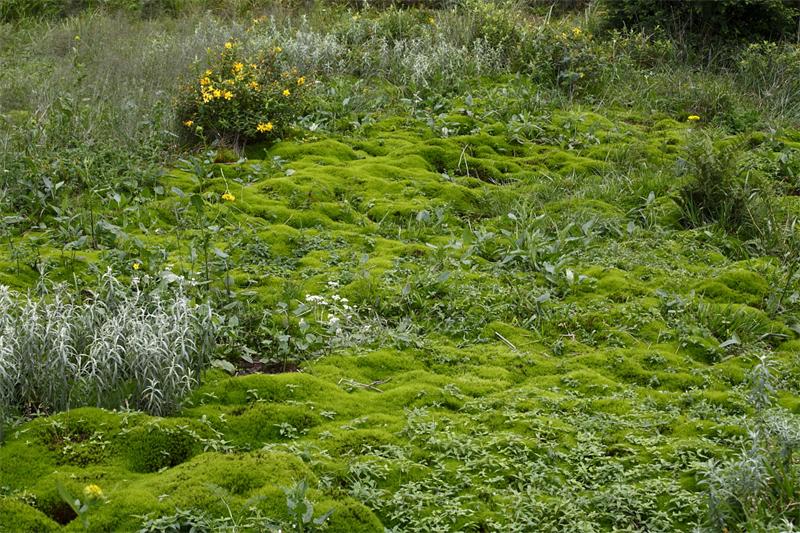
(239, 99)
(568, 57)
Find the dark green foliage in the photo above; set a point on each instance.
(708, 20)
(716, 193)
(14, 10)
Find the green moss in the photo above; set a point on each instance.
(264, 422)
(444, 393)
(17, 516)
(348, 516)
(163, 443)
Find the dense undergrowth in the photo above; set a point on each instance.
(499, 273)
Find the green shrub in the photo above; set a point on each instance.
(15, 10)
(566, 57)
(714, 193)
(240, 98)
(721, 19)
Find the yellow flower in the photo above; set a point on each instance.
(254, 85)
(188, 123)
(217, 93)
(301, 80)
(286, 92)
(253, 66)
(208, 73)
(205, 81)
(693, 118)
(227, 95)
(93, 491)
(263, 128)
(228, 45)
(277, 49)
(228, 197)
(431, 21)
(237, 67)
(136, 266)
(576, 32)
(207, 97)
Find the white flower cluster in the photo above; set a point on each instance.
(339, 309)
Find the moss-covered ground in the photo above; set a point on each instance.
(510, 331)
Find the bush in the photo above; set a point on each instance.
(14, 10)
(721, 19)
(714, 193)
(565, 57)
(239, 98)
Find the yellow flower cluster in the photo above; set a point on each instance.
(228, 197)
(240, 89)
(93, 491)
(693, 118)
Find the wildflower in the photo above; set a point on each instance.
(188, 123)
(93, 491)
(253, 66)
(228, 45)
(205, 81)
(576, 32)
(254, 85)
(208, 73)
(693, 118)
(237, 67)
(227, 95)
(217, 93)
(286, 92)
(277, 49)
(301, 80)
(228, 197)
(431, 21)
(136, 266)
(263, 128)
(207, 97)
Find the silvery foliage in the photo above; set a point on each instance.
(417, 61)
(117, 347)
